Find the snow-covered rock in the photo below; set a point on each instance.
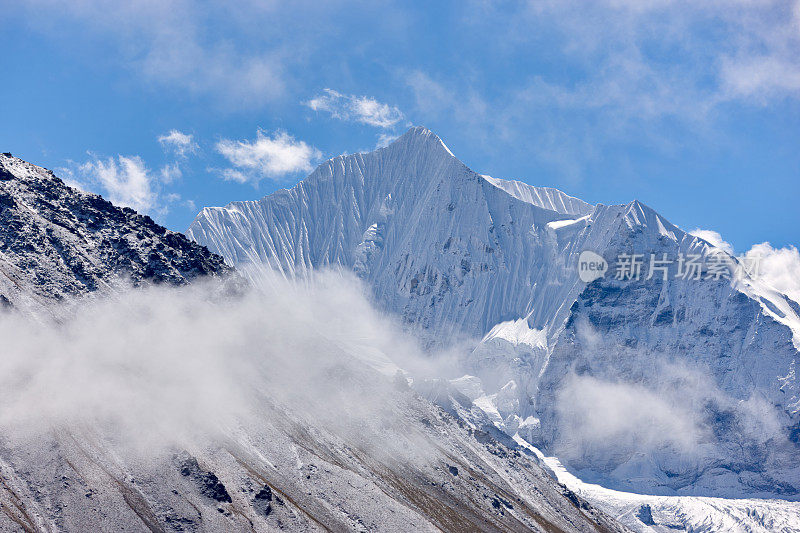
(454, 253)
(56, 241)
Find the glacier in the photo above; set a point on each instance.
(459, 255)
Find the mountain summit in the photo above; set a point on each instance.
(441, 245)
(455, 253)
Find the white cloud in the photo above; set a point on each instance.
(598, 415)
(713, 238)
(668, 63)
(673, 58)
(268, 156)
(179, 143)
(125, 180)
(778, 268)
(170, 173)
(649, 410)
(165, 366)
(385, 139)
(760, 78)
(363, 109)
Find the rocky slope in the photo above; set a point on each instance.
(56, 241)
(291, 472)
(456, 253)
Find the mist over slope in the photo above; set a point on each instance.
(197, 408)
(218, 406)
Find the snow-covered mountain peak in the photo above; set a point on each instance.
(418, 136)
(452, 252)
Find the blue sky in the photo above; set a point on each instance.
(692, 108)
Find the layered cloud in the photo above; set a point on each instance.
(363, 109)
(272, 156)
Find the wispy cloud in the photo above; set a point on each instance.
(181, 45)
(671, 57)
(170, 173)
(651, 69)
(385, 139)
(125, 180)
(243, 55)
(267, 156)
(673, 408)
(178, 143)
(363, 109)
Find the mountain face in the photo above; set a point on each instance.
(56, 241)
(298, 460)
(454, 253)
(445, 248)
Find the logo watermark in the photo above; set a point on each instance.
(591, 266)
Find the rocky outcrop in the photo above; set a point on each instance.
(57, 241)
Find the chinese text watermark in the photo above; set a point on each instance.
(716, 265)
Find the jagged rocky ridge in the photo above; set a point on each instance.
(456, 253)
(57, 241)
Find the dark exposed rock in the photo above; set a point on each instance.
(262, 501)
(180, 523)
(264, 494)
(7, 201)
(664, 317)
(574, 498)
(208, 482)
(645, 515)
